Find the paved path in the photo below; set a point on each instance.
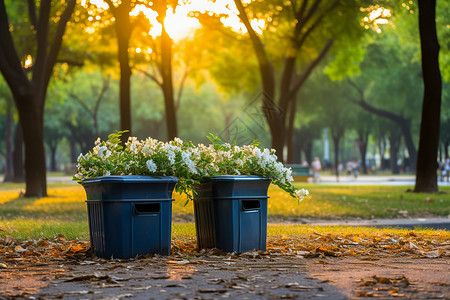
(408, 180)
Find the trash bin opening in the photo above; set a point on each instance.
(147, 208)
(251, 204)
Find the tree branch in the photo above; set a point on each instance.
(102, 93)
(365, 105)
(302, 21)
(299, 15)
(79, 101)
(310, 68)
(265, 66)
(151, 76)
(97, 103)
(111, 6)
(213, 24)
(32, 13)
(257, 43)
(315, 24)
(181, 87)
(42, 41)
(10, 65)
(57, 40)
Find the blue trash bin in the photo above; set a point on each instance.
(231, 213)
(129, 215)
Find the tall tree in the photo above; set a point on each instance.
(166, 71)
(30, 92)
(426, 178)
(162, 62)
(289, 39)
(123, 27)
(404, 123)
(307, 18)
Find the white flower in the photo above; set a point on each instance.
(188, 162)
(146, 150)
(108, 173)
(301, 194)
(151, 166)
(101, 151)
(171, 156)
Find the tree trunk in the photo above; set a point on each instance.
(362, 145)
(73, 151)
(336, 139)
(406, 130)
(9, 168)
(267, 73)
(33, 135)
(382, 149)
(291, 149)
(123, 32)
(426, 175)
(167, 84)
(29, 95)
(19, 174)
(446, 144)
(336, 135)
(297, 154)
(394, 145)
(53, 149)
(309, 152)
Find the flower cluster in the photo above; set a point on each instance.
(188, 162)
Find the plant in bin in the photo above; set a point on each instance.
(224, 159)
(188, 162)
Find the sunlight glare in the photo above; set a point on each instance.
(99, 3)
(376, 16)
(178, 24)
(28, 61)
(182, 22)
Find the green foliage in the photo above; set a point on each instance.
(345, 63)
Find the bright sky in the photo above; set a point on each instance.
(179, 24)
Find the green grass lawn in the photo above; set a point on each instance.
(64, 210)
(346, 201)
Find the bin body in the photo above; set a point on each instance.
(129, 215)
(231, 213)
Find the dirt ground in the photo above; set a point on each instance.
(211, 274)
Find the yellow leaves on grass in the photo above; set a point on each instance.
(60, 199)
(6, 196)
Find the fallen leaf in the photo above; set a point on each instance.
(433, 254)
(205, 291)
(19, 249)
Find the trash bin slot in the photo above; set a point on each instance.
(147, 208)
(251, 205)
